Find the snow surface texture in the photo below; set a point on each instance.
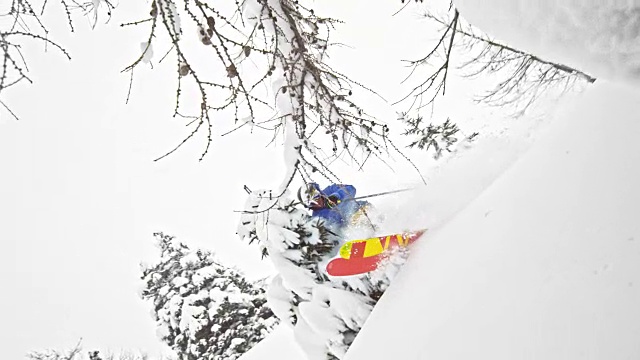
(599, 37)
(544, 264)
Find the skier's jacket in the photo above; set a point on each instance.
(340, 214)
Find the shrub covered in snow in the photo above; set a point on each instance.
(326, 312)
(204, 310)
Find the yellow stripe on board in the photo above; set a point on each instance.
(372, 248)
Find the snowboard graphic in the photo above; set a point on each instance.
(361, 256)
(376, 245)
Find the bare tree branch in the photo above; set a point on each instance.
(524, 77)
(437, 80)
(24, 25)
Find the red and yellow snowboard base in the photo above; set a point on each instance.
(362, 256)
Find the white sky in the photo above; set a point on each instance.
(80, 195)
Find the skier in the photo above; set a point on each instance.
(335, 204)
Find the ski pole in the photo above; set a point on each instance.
(382, 193)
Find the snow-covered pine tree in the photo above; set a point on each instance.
(204, 310)
(326, 313)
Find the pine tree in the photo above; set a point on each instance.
(204, 310)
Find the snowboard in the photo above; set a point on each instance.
(362, 256)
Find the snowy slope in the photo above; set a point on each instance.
(599, 37)
(544, 264)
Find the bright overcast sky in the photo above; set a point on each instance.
(80, 195)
